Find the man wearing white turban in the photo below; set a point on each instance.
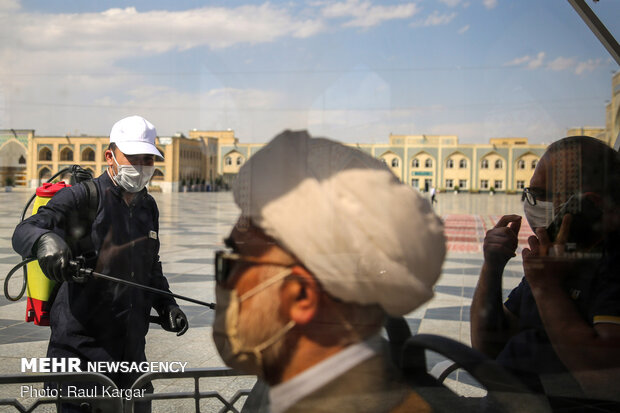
(328, 244)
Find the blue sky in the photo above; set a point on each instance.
(352, 70)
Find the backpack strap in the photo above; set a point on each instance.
(93, 199)
(78, 230)
(86, 217)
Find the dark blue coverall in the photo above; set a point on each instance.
(101, 320)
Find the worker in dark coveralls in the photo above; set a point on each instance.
(99, 320)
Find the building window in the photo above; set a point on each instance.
(449, 183)
(520, 184)
(499, 164)
(428, 184)
(463, 163)
(415, 183)
(428, 163)
(499, 184)
(521, 164)
(45, 154)
(158, 175)
(449, 164)
(66, 154)
(45, 174)
(88, 155)
(239, 160)
(484, 164)
(394, 163)
(415, 163)
(534, 162)
(21, 160)
(228, 160)
(484, 184)
(462, 183)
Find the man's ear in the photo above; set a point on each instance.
(108, 157)
(300, 296)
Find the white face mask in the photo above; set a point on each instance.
(539, 215)
(133, 178)
(229, 343)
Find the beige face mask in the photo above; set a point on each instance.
(233, 351)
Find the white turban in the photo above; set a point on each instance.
(365, 236)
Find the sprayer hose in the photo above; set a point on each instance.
(8, 278)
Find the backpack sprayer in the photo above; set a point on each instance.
(39, 288)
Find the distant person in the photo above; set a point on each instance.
(316, 264)
(433, 194)
(99, 320)
(559, 330)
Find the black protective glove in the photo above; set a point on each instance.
(54, 255)
(174, 319)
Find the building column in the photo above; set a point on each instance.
(509, 185)
(31, 163)
(407, 172)
(474, 170)
(439, 167)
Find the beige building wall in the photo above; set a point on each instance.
(207, 157)
(492, 170)
(440, 161)
(394, 162)
(215, 141)
(457, 172)
(524, 169)
(233, 160)
(50, 154)
(14, 156)
(423, 167)
(595, 132)
(192, 160)
(47, 155)
(164, 171)
(186, 160)
(508, 141)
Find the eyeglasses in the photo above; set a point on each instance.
(224, 262)
(530, 195)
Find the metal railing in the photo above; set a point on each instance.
(118, 404)
(196, 394)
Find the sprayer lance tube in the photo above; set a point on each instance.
(87, 273)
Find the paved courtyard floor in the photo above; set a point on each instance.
(192, 226)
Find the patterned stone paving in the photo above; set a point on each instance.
(192, 226)
(465, 232)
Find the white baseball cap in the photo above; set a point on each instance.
(135, 135)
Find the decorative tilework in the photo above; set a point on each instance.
(22, 137)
